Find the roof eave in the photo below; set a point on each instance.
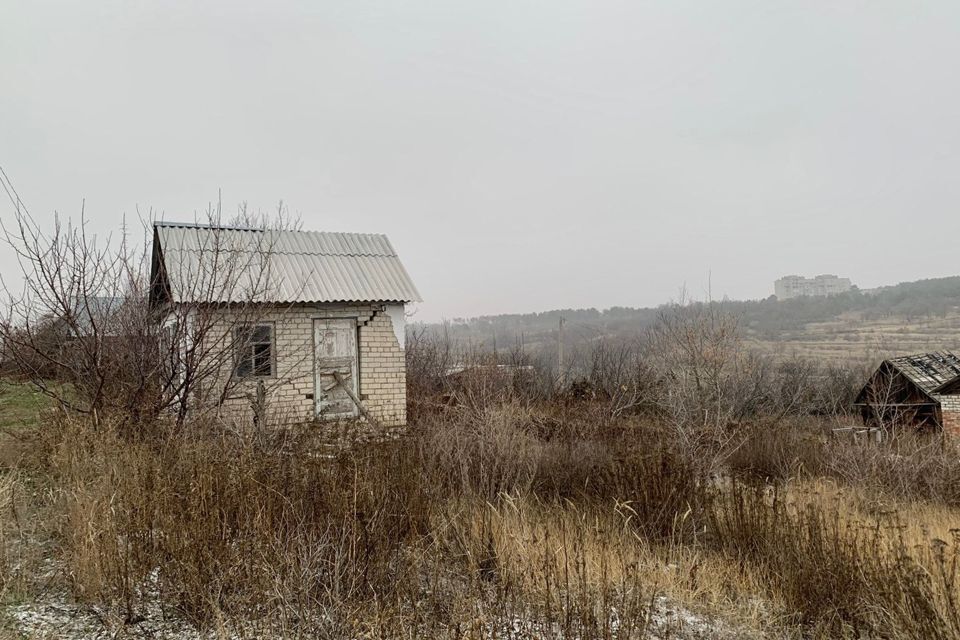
(949, 387)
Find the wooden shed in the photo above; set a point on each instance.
(920, 391)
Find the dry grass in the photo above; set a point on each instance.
(226, 529)
(843, 567)
(8, 562)
(24, 515)
(920, 521)
(536, 545)
(906, 468)
(25, 543)
(851, 337)
(498, 520)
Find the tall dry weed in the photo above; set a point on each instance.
(542, 520)
(840, 576)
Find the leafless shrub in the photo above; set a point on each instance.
(905, 466)
(522, 514)
(91, 330)
(489, 453)
(909, 466)
(220, 527)
(697, 351)
(442, 375)
(708, 383)
(619, 373)
(428, 360)
(835, 388)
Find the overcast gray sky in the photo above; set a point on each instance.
(521, 156)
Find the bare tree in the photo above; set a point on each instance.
(218, 282)
(620, 371)
(90, 329)
(708, 382)
(72, 304)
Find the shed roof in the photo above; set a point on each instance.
(929, 371)
(207, 264)
(97, 314)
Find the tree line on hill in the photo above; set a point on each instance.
(767, 318)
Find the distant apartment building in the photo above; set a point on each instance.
(824, 285)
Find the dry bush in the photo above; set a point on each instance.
(487, 454)
(791, 449)
(617, 373)
(539, 520)
(441, 374)
(904, 466)
(428, 359)
(840, 576)
(217, 527)
(693, 373)
(209, 521)
(697, 350)
(910, 466)
(583, 456)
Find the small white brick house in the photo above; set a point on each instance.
(315, 320)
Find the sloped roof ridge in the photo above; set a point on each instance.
(227, 227)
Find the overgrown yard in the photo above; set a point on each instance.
(507, 519)
(20, 404)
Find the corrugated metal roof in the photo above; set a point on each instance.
(220, 264)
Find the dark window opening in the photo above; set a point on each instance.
(254, 351)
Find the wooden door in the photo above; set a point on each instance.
(335, 351)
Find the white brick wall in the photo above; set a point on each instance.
(383, 376)
(382, 380)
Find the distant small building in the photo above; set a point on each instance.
(919, 391)
(789, 287)
(97, 315)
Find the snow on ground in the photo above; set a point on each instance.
(56, 617)
(670, 620)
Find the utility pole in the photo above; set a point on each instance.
(561, 378)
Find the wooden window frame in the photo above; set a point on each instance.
(242, 344)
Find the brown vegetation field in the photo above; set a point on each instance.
(852, 336)
(691, 490)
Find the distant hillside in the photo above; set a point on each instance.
(910, 301)
(933, 302)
